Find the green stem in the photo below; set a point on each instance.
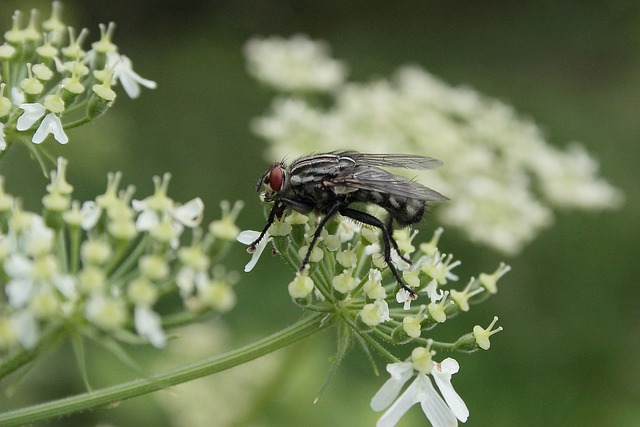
(369, 339)
(130, 256)
(141, 386)
(76, 123)
(48, 340)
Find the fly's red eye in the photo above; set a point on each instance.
(276, 177)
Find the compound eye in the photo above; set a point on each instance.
(276, 176)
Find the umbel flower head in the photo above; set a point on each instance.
(123, 256)
(505, 176)
(50, 80)
(348, 281)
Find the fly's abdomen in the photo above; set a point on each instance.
(404, 210)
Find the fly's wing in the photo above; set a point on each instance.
(375, 179)
(409, 161)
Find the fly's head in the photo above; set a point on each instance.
(272, 181)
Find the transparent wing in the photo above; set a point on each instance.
(375, 179)
(409, 161)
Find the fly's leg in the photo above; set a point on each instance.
(388, 242)
(276, 211)
(393, 241)
(334, 210)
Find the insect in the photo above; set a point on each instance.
(330, 183)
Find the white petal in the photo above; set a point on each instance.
(19, 292)
(3, 143)
(410, 397)
(50, 125)
(189, 214)
(148, 324)
(185, 280)
(247, 237)
(17, 265)
(256, 255)
(436, 410)
(442, 375)
(400, 374)
(131, 80)
(32, 113)
(138, 205)
(17, 96)
(433, 292)
(90, 214)
(244, 237)
(26, 328)
(383, 310)
(404, 297)
(66, 285)
(147, 220)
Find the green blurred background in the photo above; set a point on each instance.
(570, 351)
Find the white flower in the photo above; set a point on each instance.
(439, 267)
(123, 71)
(373, 286)
(20, 286)
(375, 313)
(295, 64)
(442, 411)
(148, 325)
(150, 218)
(26, 328)
(482, 334)
(404, 297)
(106, 312)
(90, 212)
(51, 123)
(301, 286)
(569, 179)
(3, 143)
(247, 237)
(189, 214)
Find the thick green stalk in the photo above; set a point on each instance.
(139, 387)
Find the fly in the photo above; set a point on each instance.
(330, 183)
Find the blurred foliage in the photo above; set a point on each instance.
(568, 354)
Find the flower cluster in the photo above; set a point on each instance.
(348, 280)
(505, 177)
(100, 269)
(307, 63)
(50, 83)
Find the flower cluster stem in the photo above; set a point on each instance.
(102, 397)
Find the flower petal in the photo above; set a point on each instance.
(51, 124)
(19, 292)
(148, 325)
(262, 245)
(436, 410)
(3, 143)
(130, 80)
(442, 373)
(32, 113)
(404, 297)
(147, 220)
(400, 374)
(247, 237)
(26, 328)
(189, 214)
(410, 397)
(90, 214)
